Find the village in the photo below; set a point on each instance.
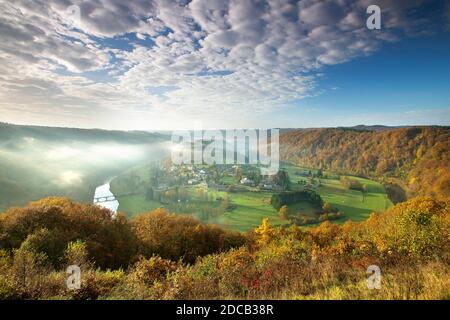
(226, 178)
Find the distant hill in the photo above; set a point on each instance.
(11, 132)
(36, 162)
(415, 158)
(360, 127)
(363, 127)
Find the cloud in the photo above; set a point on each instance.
(225, 59)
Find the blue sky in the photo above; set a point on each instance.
(403, 77)
(163, 64)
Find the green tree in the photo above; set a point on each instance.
(364, 190)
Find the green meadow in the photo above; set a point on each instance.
(248, 208)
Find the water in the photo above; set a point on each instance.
(104, 191)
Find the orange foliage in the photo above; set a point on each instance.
(418, 156)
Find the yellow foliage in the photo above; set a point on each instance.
(265, 232)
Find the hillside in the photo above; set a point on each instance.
(10, 133)
(417, 159)
(36, 162)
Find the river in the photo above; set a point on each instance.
(104, 191)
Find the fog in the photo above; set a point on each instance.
(34, 167)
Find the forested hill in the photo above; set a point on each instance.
(417, 158)
(9, 133)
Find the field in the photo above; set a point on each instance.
(135, 204)
(349, 202)
(248, 208)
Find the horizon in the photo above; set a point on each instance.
(211, 129)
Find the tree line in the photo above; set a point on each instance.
(417, 159)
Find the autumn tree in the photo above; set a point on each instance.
(283, 212)
(175, 236)
(327, 207)
(264, 232)
(238, 173)
(49, 225)
(417, 156)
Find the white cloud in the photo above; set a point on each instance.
(225, 60)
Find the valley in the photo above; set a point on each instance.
(236, 200)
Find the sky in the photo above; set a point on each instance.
(180, 64)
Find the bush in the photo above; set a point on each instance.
(97, 284)
(49, 225)
(409, 242)
(28, 272)
(147, 271)
(177, 237)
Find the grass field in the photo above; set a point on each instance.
(348, 202)
(304, 208)
(132, 205)
(249, 208)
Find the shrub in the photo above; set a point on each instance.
(98, 284)
(147, 271)
(49, 225)
(177, 237)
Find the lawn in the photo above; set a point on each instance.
(229, 180)
(304, 208)
(250, 208)
(132, 205)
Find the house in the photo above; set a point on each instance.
(192, 181)
(247, 182)
(267, 186)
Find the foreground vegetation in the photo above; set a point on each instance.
(158, 255)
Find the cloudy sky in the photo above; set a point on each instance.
(176, 64)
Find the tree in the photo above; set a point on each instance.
(282, 179)
(77, 254)
(149, 193)
(364, 190)
(147, 271)
(327, 207)
(49, 225)
(29, 269)
(238, 173)
(320, 173)
(177, 237)
(265, 232)
(283, 212)
(404, 153)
